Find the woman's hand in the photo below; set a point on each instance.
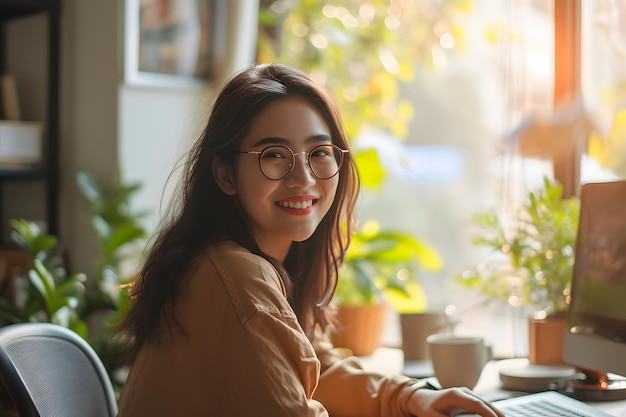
(449, 402)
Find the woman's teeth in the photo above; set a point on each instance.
(296, 204)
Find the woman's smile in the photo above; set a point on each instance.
(299, 206)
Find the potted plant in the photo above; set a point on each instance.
(88, 305)
(44, 291)
(378, 271)
(532, 257)
(121, 238)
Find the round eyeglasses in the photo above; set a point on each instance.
(277, 161)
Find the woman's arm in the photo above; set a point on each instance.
(347, 390)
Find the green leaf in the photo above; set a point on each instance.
(122, 235)
(28, 236)
(90, 189)
(73, 285)
(79, 327)
(411, 300)
(102, 227)
(371, 171)
(43, 283)
(382, 261)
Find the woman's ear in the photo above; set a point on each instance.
(224, 177)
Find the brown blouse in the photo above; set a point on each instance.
(244, 354)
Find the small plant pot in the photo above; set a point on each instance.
(546, 340)
(360, 328)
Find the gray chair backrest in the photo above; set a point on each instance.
(50, 371)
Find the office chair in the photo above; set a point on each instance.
(50, 371)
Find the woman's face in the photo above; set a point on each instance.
(290, 209)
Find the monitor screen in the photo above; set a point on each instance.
(596, 336)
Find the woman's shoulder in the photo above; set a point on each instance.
(239, 269)
(233, 255)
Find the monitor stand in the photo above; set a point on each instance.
(597, 386)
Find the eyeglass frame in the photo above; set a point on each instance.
(342, 153)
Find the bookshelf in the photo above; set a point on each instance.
(46, 173)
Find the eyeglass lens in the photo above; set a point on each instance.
(324, 161)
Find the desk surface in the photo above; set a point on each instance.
(390, 361)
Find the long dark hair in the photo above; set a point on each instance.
(202, 213)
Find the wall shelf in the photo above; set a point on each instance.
(48, 173)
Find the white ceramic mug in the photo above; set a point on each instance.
(457, 360)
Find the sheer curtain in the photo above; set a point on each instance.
(604, 87)
(463, 154)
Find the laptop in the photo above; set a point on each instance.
(547, 403)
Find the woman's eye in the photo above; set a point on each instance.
(320, 153)
(274, 155)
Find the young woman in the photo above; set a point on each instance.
(229, 315)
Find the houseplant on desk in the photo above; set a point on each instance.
(379, 267)
(532, 256)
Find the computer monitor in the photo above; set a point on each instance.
(596, 335)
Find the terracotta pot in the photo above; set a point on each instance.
(360, 328)
(546, 340)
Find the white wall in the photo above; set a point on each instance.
(158, 124)
(156, 127)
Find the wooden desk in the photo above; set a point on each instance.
(389, 361)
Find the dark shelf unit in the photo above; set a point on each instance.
(48, 172)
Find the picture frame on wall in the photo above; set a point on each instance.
(172, 43)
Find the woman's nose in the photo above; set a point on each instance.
(301, 175)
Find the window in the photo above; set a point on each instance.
(489, 120)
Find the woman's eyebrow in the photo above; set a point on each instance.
(321, 138)
(277, 140)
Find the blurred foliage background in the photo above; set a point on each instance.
(363, 52)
